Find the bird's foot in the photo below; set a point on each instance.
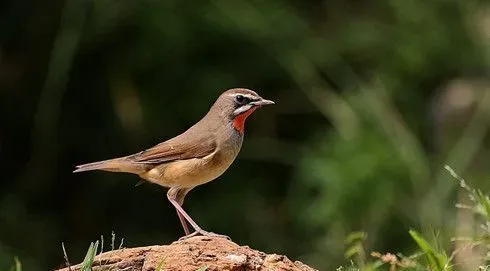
(204, 233)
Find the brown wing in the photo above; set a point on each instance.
(178, 148)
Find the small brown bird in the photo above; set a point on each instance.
(197, 156)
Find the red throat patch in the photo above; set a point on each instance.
(239, 121)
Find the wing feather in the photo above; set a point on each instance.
(178, 148)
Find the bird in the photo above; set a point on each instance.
(199, 155)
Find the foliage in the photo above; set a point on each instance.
(89, 258)
(436, 258)
(17, 266)
(161, 265)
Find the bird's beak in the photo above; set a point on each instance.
(262, 102)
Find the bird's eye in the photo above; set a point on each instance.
(241, 100)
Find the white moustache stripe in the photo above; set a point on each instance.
(242, 109)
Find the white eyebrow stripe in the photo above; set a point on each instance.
(250, 96)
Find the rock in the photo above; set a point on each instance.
(196, 253)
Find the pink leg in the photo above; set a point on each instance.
(176, 196)
(184, 223)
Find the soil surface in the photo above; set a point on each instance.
(194, 254)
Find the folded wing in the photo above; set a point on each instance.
(186, 147)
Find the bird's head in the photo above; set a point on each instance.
(237, 104)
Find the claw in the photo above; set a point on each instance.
(204, 233)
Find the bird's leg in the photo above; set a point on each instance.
(184, 223)
(176, 196)
(198, 230)
(179, 198)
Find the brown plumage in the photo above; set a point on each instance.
(199, 155)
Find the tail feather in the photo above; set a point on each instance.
(117, 164)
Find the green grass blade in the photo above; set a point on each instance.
(162, 264)
(17, 265)
(484, 202)
(90, 256)
(437, 261)
(358, 236)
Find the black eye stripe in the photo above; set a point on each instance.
(240, 99)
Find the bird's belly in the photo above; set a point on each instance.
(190, 172)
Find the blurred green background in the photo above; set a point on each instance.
(372, 99)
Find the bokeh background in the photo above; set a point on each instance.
(373, 99)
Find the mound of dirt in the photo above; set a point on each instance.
(196, 253)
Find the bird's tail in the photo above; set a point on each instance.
(121, 164)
